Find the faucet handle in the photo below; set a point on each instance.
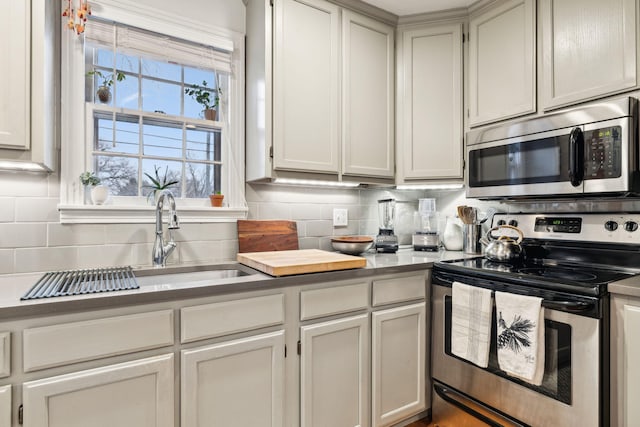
(173, 222)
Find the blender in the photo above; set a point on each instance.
(426, 237)
(386, 240)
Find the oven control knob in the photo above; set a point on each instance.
(630, 226)
(513, 223)
(611, 225)
(501, 222)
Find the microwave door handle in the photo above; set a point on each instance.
(576, 156)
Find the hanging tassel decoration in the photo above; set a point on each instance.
(76, 16)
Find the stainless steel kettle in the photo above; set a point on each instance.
(503, 248)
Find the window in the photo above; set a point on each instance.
(147, 124)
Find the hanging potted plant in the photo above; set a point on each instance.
(208, 98)
(104, 89)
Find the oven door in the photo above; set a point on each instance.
(571, 387)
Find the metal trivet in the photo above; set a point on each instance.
(78, 282)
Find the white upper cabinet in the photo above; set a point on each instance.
(588, 49)
(502, 78)
(367, 96)
(15, 69)
(429, 108)
(306, 86)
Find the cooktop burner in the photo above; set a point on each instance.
(559, 273)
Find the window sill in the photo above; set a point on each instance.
(114, 214)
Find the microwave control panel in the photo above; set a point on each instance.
(602, 151)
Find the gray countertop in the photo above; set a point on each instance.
(12, 287)
(628, 287)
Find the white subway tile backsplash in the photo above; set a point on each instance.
(215, 231)
(229, 250)
(307, 212)
(129, 233)
(23, 184)
(201, 252)
(23, 235)
(30, 209)
(7, 263)
(7, 209)
(141, 254)
(319, 228)
(46, 259)
(76, 234)
(309, 243)
(274, 211)
(104, 256)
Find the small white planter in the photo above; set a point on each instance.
(99, 194)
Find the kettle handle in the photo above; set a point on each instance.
(498, 227)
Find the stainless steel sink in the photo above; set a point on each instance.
(192, 273)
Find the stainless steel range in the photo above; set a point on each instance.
(569, 261)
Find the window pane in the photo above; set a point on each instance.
(161, 97)
(161, 70)
(127, 63)
(119, 173)
(192, 108)
(126, 134)
(197, 76)
(201, 179)
(167, 171)
(103, 58)
(162, 139)
(201, 144)
(127, 93)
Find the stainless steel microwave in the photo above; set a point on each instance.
(591, 151)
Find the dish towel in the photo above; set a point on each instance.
(471, 323)
(520, 340)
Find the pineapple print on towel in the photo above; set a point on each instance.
(515, 336)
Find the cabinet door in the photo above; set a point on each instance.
(131, 394)
(305, 86)
(333, 373)
(15, 69)
(235, 383)
(367, 96)
(631, 366)
(588, 49)
(398, 363)
(502, 62)
(430, 104)
(5, 405)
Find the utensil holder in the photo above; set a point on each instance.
(471, 239)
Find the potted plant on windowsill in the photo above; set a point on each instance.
(216, 199)
(158, 183)
(208, 98)
(98, 193)
(104, 90)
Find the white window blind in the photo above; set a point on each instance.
(144, 43)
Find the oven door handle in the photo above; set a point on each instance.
(571, 306)
(449, 396)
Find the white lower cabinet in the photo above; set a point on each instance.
(398, 357)
(234, 383)
(5, 405)
(138, 393)
(334, 373)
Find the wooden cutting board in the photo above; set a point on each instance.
(286, 263)
(267, 235)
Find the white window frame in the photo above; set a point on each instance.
(75, 155)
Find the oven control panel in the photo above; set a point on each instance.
(588, 227)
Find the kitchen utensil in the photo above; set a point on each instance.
(351, 245)
(286, 263)
(489, 213)
(503, 248)
(467, 214)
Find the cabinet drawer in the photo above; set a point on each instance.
(229, 317)
(338, 299)
(388, 291)
(5, 354)
(66, 343)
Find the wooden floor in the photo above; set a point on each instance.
(420, 423)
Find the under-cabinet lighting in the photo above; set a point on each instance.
(429, 187)
(315, 182)
(22, 166)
